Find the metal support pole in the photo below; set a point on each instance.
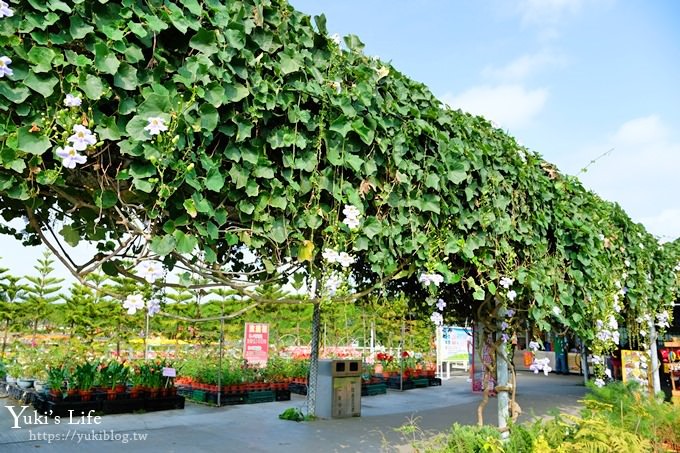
(584, 362)
(653, 354)
(219, 375)
(146, 337)
(502, 385)
(313, 361)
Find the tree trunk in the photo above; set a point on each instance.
(4, 339)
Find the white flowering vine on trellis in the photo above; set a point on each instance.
(334, 279)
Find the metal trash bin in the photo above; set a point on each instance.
(338, 392)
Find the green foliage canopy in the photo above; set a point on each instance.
(272, 127)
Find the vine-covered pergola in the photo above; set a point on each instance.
(189, 133)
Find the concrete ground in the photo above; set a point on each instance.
(257, 428)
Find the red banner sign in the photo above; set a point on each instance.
(256, 343)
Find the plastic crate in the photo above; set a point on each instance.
(420, 382)
(262, 396)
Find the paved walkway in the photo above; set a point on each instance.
(257, 428)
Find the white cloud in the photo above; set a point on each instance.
(542, 11)
(511, 106)
(665, 224)
(640, 173)
(524, 66)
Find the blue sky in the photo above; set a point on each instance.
(571, 79)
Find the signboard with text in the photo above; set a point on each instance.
(256, 343)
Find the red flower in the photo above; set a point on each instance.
(404, 354)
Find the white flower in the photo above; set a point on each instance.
(72, 101)
(506, 282)
(351, 211)
(427, 279)
(156, 125)
(641, 245)
(512, 294)
(345, 259)
(437, 318)
(626, 262)
(383, 72)
(352, 214)
(153, 306)
(546, 369)
(82, 138)
(557, 311)
(613, 324)
(337, 86)
(330, 255)
(151, 271)
(332, 284)
(599, 382)
(441, 304)
(662, 319)
(601, 237)
(617, 284)
(133, 302)
(534, 346)
(5, 70)
(608, 372)
(336, 39)
(5, 10)
(597, 360)
(70, 157)
(643, 333)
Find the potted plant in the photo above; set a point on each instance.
(84, 378)
(56, 377)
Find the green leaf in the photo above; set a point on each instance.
(110, 268)
(457, 173)
(105, 198)
(264, 172)
(371, 227)
(366, 134)
(92, 87)
(246, 206)
(215, 180)
(235, 92)
(105, 60)
(215, 95)
(138, 29)
(209, 117)
(190, 207)
(58, 5)
(16, 94)
(184, 243)
(478, 294)
(41, 83)
(126, 77)
(32, 142)
(432, 181)
(278, 233)
(204, 41)
(341, 125)
(354, 43)
(79, 29)
(71, 235)
(236, 39)
(42, 58)
(289, 64)
(163, 245)
(320, 22)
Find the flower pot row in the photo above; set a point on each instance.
(110, 394)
